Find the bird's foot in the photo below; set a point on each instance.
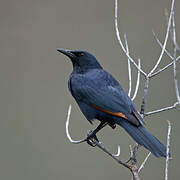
(112, 125)
(91, 138)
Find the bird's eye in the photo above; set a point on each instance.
(79, 54)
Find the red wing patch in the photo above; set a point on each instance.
(119, 114)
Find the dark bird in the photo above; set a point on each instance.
(100, 96)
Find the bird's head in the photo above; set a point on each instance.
(81, 60)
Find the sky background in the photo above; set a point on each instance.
(34, 97)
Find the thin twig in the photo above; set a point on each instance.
(67, 129)
(119, 151)
(167, 150)
(160, 44)
(138, 80)
(174, 61)
(176, 48)
(129, 66)
(120, 42)
(165, 41)
(144, 162)
(161, 110)
(171, 30)
(164, 68)
(103, 148)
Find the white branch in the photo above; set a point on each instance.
(167, 150)
(165, 41)
(119, 152)
(138, 80)
(172, 36)
(144, 162)
(164, 68)
(67, 129)
(129, 66)
(160, 44)
(174, 61)
(120, 42)
(163, 109)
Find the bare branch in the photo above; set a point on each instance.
(134, 162)
(172, 35)
(144, 162)
(176, 48)
(163, 109)
(164, 68)
(176, 82)
(131, 151)
(158, 41)
(165, 41)
(120, 42)
(129, 66)
(103, 148)
(144, 99)
(167, 150)
(138, 80)
(67, 129)
(160, 44)
(174, 61)
(132, 167)
(119, 151)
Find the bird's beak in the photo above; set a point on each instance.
(66, 52)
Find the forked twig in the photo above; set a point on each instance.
(120, 42)
(164, 68)
(165, 41)
(171, 57)
(172, 35)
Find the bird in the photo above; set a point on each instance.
(101, 97)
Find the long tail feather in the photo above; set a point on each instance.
(144, 138)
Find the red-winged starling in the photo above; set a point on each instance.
(100, 96)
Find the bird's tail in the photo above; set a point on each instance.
(144, 138)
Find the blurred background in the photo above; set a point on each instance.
(34, 97)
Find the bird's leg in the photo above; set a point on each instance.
(92, 134)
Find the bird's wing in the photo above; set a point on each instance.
(108, 97)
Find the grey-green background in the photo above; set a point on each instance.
(34, 97)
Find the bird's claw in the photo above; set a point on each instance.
(91, 138)
(112, 125)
